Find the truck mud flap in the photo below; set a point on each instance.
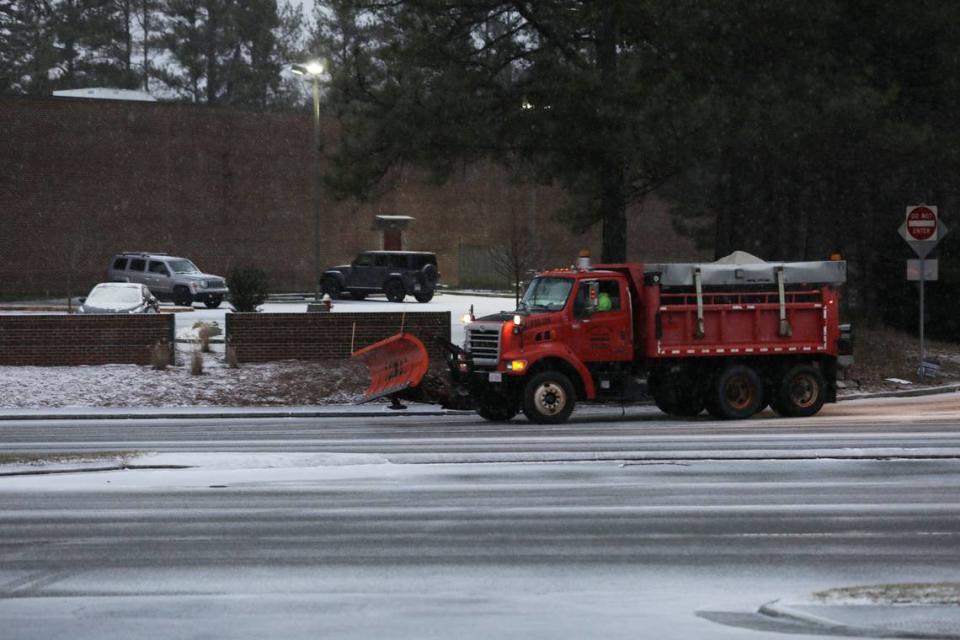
(395, 364)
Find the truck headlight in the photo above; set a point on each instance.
(519, 323)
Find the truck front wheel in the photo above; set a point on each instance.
(736, 394)
(802, 392)
(548, 398)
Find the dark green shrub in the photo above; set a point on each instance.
(248, 288)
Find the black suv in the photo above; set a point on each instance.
(395, 273)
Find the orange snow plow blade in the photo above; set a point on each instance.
(395, 364)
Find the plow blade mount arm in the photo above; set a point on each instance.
(396, 363)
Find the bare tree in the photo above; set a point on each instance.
(518, 256)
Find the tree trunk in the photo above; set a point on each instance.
(613, 212)
(613, 205)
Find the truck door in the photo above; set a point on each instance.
(603, 331)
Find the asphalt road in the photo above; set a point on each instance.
(686, 544)
(916, 427)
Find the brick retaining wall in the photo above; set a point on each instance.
(62, 340)
(262, 337)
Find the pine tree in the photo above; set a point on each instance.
(228, 52)
(572, 93)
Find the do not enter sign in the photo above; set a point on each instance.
(922, 223)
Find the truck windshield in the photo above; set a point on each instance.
(546, 294)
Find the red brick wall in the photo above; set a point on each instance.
(83, 179)
(262, 337)
(60, 340)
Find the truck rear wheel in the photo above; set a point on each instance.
(548, 398)
(801, 393)
(675, 395)
(496, 413)
(736, 394)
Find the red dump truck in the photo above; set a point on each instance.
(730, 337)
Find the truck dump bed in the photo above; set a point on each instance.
(736, 308)
(735, 323)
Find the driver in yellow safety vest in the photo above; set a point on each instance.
(603, 302)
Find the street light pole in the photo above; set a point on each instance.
(316, 187)
(313, 71)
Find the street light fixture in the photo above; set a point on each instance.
(313, 69)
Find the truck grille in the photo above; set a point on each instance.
(215, 283)
(483, 344)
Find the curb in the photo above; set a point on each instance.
(231, 414)
(624, 460)
(906, 393)
(777, 610)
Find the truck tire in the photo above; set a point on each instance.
(737, 393)
(548, 398)
(802, 392)
(329, 286)
(496, 412)
(394, 290)
(674, 397)
(682, 405)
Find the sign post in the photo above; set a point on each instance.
(922, 230)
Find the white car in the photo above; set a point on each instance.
(119, 297)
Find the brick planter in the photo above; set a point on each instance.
(262, 337)
(62, 340)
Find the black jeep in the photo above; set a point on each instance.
(395, 273)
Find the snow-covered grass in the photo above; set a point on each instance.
(881, 353)
(945, 593)
(291, 382)
(284, 383)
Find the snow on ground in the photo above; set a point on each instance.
(283, 383)
(946, 593)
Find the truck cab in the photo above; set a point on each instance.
(573, 333)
